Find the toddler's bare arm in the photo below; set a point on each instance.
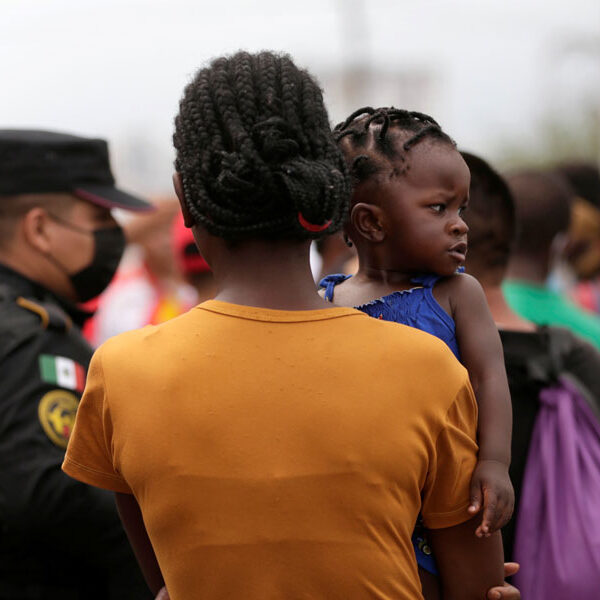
(481, 353)
(469, 566)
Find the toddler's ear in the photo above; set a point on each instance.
(366, 220)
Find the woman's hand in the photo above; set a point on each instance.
(504, 591)
(164, 595)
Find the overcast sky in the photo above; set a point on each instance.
(116, 68)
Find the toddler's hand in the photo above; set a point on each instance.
(491, 486)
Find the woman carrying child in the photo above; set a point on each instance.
(266, 444)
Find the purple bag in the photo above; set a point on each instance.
(557, 537)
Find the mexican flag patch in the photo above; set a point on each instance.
(63, 372)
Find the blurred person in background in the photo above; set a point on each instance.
(543, 206)
(190, 262)
(337, 255)
(59, 246)
(583, 246)
(532, 352)
(149, 287)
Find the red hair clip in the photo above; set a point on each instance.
(311, 226)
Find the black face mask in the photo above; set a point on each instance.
(91, 281)
(109, 245)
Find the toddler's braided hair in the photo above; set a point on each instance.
(378, 139)
(255, 151)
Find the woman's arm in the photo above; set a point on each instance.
(131, 516)
(469, 566)
(481, 353)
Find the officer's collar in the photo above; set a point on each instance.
(29, 288)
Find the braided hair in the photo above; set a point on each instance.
(375, 140)
(255, 151)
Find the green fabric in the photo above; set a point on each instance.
(545, 307)
(48, 368)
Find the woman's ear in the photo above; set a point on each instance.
(367, 221)
(178, 185)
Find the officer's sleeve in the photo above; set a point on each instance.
(89, 455)
(446, 492)
(46, 517)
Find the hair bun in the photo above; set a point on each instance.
(273, 141)
(235, 174)
(313, 187)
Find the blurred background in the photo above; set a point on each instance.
(517, 81)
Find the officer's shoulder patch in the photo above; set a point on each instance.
(56, 412)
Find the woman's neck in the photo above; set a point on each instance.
(274, 275)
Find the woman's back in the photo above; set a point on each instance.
(256, 451)
(293, 460)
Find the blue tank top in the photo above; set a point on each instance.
(415, 307)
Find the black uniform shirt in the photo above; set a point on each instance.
(58, 538)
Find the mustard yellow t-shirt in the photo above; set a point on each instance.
(280, 454)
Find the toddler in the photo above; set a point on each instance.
(411, 187)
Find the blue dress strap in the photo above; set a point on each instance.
(330, 282)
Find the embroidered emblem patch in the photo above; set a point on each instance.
(62, 372)
(56, 412)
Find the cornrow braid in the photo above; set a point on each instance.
(369, 146)
(255, 151)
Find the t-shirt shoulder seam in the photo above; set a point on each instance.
(100, 355)
(466, 383)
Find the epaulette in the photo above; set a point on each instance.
(51, 316)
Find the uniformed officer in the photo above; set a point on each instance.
(59, 246)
